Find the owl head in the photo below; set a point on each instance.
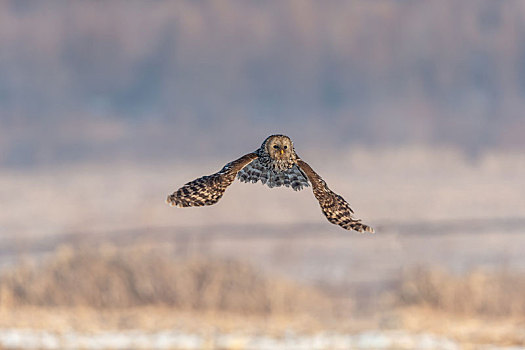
(279, 147)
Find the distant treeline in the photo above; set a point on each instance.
(81, 79)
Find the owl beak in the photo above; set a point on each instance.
(282, 152)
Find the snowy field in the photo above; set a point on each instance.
(27, 339)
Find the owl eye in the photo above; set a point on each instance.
(285, 147)
(275, 146)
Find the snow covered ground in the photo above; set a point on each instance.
(172, 339)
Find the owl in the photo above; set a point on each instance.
(275, 164)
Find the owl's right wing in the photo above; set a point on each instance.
(207, 190)
(334, 207)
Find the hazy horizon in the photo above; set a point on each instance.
(161, 80)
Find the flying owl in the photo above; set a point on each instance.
(275, 164)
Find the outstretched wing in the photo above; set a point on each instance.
(207, 190)
(334, 207)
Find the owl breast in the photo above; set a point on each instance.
(279, 165)
(274, 173)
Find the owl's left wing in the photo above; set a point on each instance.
(207, 190)
(334, 207)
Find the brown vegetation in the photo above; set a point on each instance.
(499, 293)
(111, 279)
(151, 289)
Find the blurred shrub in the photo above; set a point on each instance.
(109, 278)
(490, 293)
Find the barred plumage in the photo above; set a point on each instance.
(257, 171)
(334, 207)
(275, 164)
(207, 190)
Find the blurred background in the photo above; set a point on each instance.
(413, 111)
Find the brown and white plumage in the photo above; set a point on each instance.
(207, 190)
(275, 164)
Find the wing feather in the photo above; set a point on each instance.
(334, 207)
(207, 190)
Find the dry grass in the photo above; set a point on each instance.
(470, 331)
(481, 307)
(113, 279)
(499, 293)
(150, 289)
